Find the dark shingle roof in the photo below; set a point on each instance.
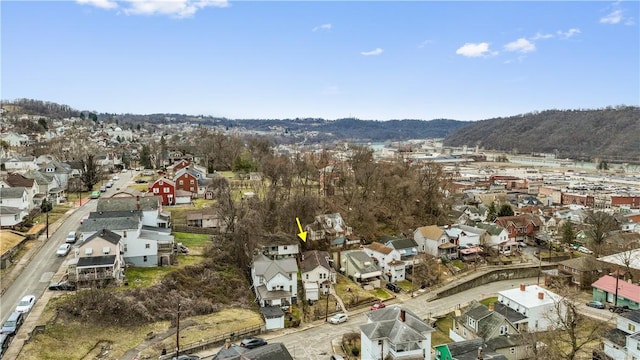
(12, 192)
(128, 203)
(313, 259)
(96, 260)
(633, 315)
(510, 314)
(105, 234)
(114, 223)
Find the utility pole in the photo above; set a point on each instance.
(178, 333)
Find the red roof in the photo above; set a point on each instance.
(625, 289)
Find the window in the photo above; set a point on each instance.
(504, 330)
(144, 258)
(124, 233)
(106, 250)
(306, 276)
(147, 246)
(472, 323)
(156, 190)
(512, 350)
(192, 182)
(125, 247)
(88, 251)
(166, 190)
(284, 247)
(632, 328)
(180, 182)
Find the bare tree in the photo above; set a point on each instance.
(600, 224)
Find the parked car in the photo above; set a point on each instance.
(141, 181)
(179, 248)
(26, 303)
(584, 250)
(619, 309)
(252, 342)
(95, 194)
(103, 188)
(338, 318)
(115, 177)
(394, 287)
(109, 184)
(378, 305)
(13, 323)
(63, 249)
(5, 340)
(595, 304)
(72, 237)
(64, 285)
(84, 218)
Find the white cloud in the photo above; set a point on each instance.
(176, 8)
(521, 45)
(375, 52)
(613, 18)
(567, 34)
(425, 43)
(541, 36)
(104, 4)
(474, 50)
(322, 27)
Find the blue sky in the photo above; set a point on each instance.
(332, 59)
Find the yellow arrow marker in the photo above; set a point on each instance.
(302, 234)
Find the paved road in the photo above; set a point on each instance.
(315, 343)
(38, 268)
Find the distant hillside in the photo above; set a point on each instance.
(611, 134)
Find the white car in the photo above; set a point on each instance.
(63, 250)
(115, 178)
(584, 250)
(25, 305)
(338, 318)
(71, 237)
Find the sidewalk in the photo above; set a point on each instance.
(33, 318)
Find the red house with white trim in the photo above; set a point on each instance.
(181, 165)
(186, 181)
(164, 188)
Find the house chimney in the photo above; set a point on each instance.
(227, 343)
(523, 287)
(402, 315)
(492, 307)
(540, 295)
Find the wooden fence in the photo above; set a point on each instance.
(194, 229)
(217, 340)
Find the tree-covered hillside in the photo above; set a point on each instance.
(611, 134)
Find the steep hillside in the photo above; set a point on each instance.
(611, 134)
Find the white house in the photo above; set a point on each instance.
(281, 251)
(463, 237)
(317, 274)
(10, 216)
(623, 342)
(494, 235)
(393, 269)
(395, 333)
(275, 281)
(539, 307)
(149, 206)
(21, 163)
(98, 260)
(433, 240)
(15, 140)
(143, 246)
(16, 202)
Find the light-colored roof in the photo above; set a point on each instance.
(529, 297)
(269, 268)
(381, 248)
(632, 256)
(432, 232)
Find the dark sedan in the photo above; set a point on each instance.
(63, 285)
(595, 304)
(251, 343)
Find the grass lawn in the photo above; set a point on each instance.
(356, 294)
(380, 294)
(441, 335)
(196, 243)
(84, 340)
(489, 301)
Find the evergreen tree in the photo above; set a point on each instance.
(493, 213)
(90, 174)
(145, 157)
(505, 210)
(568, 236)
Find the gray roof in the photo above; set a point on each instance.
(233, 352)
(468, 350)
(39, 177)
(510, 314)
(504, 341)
(265, 294)
(270, 312)
(128, 203)
(9, 210)
(115, 223)
(616, 336)
(86, 261)
(12, 192)
(359, 259)
(405, 243)
(156, 229)
(269, 268)
(105, 234)
(633, 315)
(388, 323)
(313, 259)
(155, 235)
(490, 228)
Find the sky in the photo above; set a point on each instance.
(371, 60)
